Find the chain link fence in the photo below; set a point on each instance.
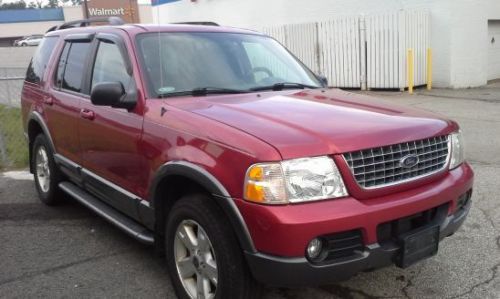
(13, 148)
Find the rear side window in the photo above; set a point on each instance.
(75, 66)
(38, 64)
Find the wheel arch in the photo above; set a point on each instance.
(35, 126)
(178, 174)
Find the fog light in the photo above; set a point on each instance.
(314, 248)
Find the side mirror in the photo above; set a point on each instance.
(112, 94)
(323, 80)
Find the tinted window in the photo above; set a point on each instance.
(75, 65)
(39, 62)
(109, 65)
(62, 64)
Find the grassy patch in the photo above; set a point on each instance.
(13, 146)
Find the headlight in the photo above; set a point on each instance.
(292, 181)
(457, 150)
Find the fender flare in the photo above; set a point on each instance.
(210, 183)
(35, 116)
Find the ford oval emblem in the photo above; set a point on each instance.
(409, 161)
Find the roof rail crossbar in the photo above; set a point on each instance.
(114, 21)
(197, 23)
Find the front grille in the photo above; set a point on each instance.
(381, 166)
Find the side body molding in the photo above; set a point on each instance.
(209, 182)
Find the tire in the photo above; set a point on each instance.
(46, 174)
(198, 216)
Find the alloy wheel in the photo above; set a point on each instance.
(195, 260)
(42, 169)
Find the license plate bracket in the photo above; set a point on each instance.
(418, 245)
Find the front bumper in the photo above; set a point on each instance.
(279, 271)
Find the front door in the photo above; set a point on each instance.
(114, 168)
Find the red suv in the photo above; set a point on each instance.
(236, 161)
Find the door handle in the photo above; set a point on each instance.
(87, 114)
(48, 100)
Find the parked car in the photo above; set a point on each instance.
(236, 161)
(32, 40)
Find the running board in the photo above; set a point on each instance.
(129, 226)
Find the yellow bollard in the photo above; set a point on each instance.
(409, 67)
(429, 69)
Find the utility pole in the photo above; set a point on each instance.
(86, 9)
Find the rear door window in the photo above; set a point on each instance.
(38, 64)
(75, 67)
(61, 65)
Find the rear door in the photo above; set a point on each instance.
(114, 165)
(65, 96)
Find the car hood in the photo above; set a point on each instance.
(318, 122)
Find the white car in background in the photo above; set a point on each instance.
(32, 40)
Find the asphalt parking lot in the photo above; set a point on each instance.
(67, 251)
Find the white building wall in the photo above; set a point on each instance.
(458, 27)
(73, 13)
(145, 13)
(24, 29)
(494, 10)
(469, 44)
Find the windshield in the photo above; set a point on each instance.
(177, 62)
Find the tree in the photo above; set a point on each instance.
(52, 4)
(36, 4)
(72, 2)
(20, 4)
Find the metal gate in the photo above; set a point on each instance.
(361, 51)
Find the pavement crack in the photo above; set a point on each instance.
(488, 217)
(345, 292)
(494, 271)
(33, 274)
(409, 284)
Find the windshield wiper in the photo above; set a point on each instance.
(283, 85)
(202, 91)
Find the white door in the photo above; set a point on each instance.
(494, 50)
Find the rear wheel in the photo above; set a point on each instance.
(203, 255)
(46, 174)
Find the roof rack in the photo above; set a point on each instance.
(198, 23)
(114, 21)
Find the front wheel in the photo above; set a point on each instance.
(204, 258)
